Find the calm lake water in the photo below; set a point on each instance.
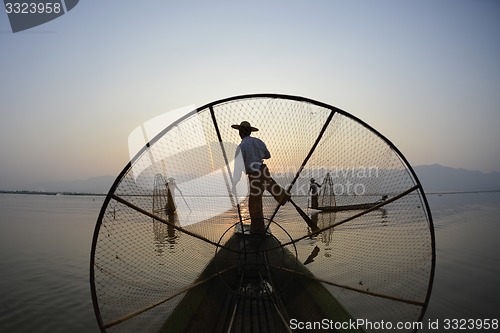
(45, 249)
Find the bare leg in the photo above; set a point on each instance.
(274, 188)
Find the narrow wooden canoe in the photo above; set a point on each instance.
(260, 287)
(347, 207)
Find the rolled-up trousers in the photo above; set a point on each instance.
(259, 182)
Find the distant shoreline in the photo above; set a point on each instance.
(460, 192)
(103, 194)
(53, 193)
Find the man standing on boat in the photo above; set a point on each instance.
(314, 191)
(254, 151)
(171, 187)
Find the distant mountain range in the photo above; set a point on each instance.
(434, 178)
(438, 178)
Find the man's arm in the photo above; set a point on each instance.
(265, 152)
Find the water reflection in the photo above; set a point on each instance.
(164, 206)
(322, 220)
(313, 255)
(325, 219)
(165, 235)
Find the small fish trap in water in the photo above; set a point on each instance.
(178, 257)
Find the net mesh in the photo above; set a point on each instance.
(373, 253)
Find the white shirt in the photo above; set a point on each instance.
(253, 151)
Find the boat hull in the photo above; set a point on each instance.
(347, 207)
(254, 285)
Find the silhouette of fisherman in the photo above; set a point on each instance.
(314, 191)
(171, 186)
(254, 151)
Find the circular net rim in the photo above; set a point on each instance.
(417, 187)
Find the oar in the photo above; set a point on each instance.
(306, 218)
(184, 200)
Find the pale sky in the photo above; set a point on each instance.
(426, 74)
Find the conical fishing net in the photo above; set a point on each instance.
(327, 193)
(172, 253)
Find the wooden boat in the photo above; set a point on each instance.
(346, 207)
(363, 206)
(161, 264)
(255, 286)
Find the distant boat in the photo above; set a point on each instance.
(324, 199)
(348, 207)
(361, 206)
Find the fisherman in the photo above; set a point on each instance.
(314, 191)
(253, 151)
(171, 186)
